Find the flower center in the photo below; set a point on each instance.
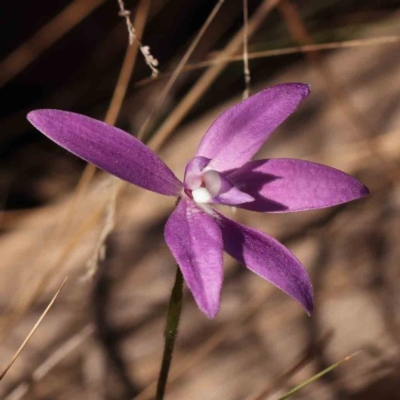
(201, 195)
(206, 186)
(202, 184)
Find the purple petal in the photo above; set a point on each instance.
(222, 190)
(267, 258)
(108, 148)
(195, 240)
(287, 185)
(232, 197)
(238, 133)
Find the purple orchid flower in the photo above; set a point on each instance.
(220, 173)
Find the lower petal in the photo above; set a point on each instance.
(268, 258)
(287, 185)
(195, 241)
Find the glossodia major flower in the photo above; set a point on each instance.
(221, 172)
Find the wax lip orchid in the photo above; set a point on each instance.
(220, 173)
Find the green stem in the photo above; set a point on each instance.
(171, 330)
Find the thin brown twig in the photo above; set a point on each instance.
(127, 66)
(301, 49)
(51, 362)
(45, 37)
(180, 67)
(206, 80)
(99, 251)
(246, 69)
(33, 330)
(134, 37)
(347, 44)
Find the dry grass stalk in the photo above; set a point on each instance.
(308, 48)
(134, 36)
(51, 362)
(99, 251)
(127, 66)
(346, 44)
(246, 69)
(33, 330)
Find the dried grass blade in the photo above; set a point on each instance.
(246, 69)
(317, 376)
(33, 330)
(51, 362)
(346, 44)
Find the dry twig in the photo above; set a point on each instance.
(33, 330)
(133, 36)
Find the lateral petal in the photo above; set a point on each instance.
(268, 258)
(222, 190)
(108, 148)
(239, 132)
(195, 241)
(288, 185)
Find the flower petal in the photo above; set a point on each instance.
(107, 147)
(287, 185)
(232, 197)
(195, 240)
(238, 133)
(222, 190)
(268, 258)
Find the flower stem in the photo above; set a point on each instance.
(171, 330)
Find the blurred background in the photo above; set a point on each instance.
(102, 339)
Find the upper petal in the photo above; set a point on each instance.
(286, 185)
(195, 240)
(268, 258)
(238, 133)
(107, 147)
